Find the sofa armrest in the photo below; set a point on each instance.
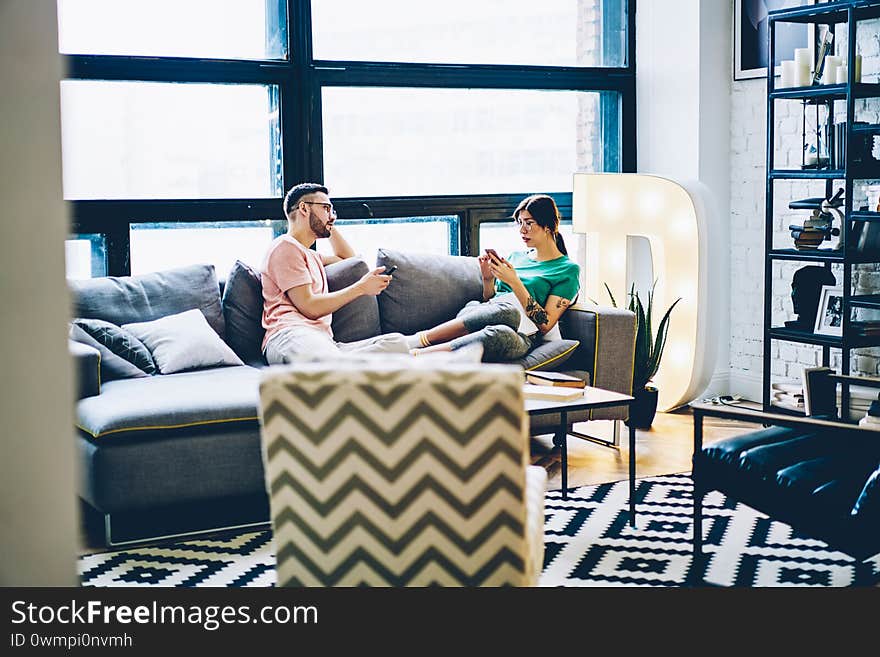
(607, 348)
(86, 367)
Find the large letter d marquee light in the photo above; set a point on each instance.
(676, 220)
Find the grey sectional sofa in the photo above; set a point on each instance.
(168, 454)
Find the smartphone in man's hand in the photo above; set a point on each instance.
(390, 270)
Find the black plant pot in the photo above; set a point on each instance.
(643, 409)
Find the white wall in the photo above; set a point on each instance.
(38, 515)
(683, 73)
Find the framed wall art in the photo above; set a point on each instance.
(829, 319)
(751, 37)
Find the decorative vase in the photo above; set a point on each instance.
(644, 408)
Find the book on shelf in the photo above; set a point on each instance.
(551, 393)
(819, 391)
(556, 379)
(865, 328)
(789, 401)
(791, 407)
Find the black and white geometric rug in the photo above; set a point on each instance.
(587, 543)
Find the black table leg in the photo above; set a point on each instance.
(562, 438)
(697, 565)
(632, 475)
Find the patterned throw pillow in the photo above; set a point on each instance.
(112, 367)
(120, 342)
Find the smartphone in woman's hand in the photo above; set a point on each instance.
(492, 253)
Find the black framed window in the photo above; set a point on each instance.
(163, 245)
(225, 29)
(150, 140)
(418, 118)
(437, 235)
(85, 255)
(501, 32)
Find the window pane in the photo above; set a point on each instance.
(437, 235)
(228, 29)
(85, 256)
(163, 140)
(159, 246)
(400, 142)
(555, 33)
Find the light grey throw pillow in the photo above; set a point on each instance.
(184, 341)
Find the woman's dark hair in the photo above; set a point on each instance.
(544, 211)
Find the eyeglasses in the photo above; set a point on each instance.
(327, 206)
(527, 223)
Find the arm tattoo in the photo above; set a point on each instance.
(535, 313)
(562, 303)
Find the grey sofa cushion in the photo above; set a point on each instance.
(427, 289)
(219, 461)
(128, 299)
(360, 318)
(123, 344)
(169, 402)
(549, 355)
(86, 363)
(111, 366)
(183, 342)
(243, 313)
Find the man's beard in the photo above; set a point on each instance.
(318, 227)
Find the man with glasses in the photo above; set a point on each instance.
(297, 303)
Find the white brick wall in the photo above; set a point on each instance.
(748, 138)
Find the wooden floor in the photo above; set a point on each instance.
(665, 448)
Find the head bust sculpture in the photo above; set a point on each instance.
(806, 284)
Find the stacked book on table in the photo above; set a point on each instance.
(788, 395)
(553, 386)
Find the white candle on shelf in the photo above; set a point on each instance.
(788, 75)
(802, 57)
(829, 74)
(802, 77)
(841, 74)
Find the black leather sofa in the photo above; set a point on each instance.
(824, 482)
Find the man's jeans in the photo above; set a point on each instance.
(289, 344)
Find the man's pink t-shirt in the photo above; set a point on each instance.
(289, 264)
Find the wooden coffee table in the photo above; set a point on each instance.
(593, 398)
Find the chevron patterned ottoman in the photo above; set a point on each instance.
(393, 475)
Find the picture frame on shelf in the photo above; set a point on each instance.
(750, 37)
(829, 318)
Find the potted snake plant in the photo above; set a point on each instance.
(648, 352)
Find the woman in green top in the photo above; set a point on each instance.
(538, 284)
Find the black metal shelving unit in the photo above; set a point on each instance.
(846, 14)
